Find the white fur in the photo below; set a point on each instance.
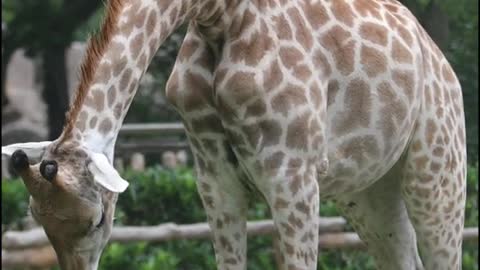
(105, 174)
(34, 150)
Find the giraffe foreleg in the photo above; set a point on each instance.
(225, 201)
(226, 215)
(294, 202)
(224, 197)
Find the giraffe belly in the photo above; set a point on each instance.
(347, 175)
(366, 137)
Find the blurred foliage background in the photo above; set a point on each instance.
(45, 29)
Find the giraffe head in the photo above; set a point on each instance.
(73, 195)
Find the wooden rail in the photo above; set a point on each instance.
(163, 232)
(153, 128)
(23, 249)
(151, 147)
(135, 131)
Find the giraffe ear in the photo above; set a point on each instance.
(105, 174)
(34, 150)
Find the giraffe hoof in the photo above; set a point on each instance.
(49, 169)
(19, 160)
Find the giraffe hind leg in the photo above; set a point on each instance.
(434, 189)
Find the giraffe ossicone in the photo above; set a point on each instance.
(346, 99)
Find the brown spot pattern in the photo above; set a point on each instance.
(374, 32)
(298, 133)
(105, 126)
(200, 90)
(358, 104)
(302, 32)
(333, 87)
(343, 12)
(316, 15)
(320, 61)
(252, 51)
(272, 76)
(98, 100)
(125, 79)
(400, 53)
(151, 22)
(290, 97)
(117, 110)
(241, 87)
(111, 95)
(367, 7)
(93, 122)
(256, 109)
(360, 149)
(290, 56)
(405, 80)
(374, 61)
(274, 161)
(270, 130)
(282, 27)
(335, 41)
(119, 66)
(136, 45)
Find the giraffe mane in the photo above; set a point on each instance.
(96, 47)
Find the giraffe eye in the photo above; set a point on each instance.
(101, 222)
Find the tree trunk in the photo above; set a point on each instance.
(55, 91)
(6, 55)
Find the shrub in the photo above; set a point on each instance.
(14, 202)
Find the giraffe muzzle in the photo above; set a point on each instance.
(49, 169)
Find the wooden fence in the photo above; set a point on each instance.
(32, 249)
(164, 142)
(153, 128)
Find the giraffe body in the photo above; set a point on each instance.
(298, 100)
(353, 104)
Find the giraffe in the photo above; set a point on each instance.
(349, 100)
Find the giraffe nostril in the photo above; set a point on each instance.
(49, 169)
(19, 160)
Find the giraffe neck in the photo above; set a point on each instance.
(79, 262)
(116, 61)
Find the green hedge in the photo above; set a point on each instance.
(157, 196)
